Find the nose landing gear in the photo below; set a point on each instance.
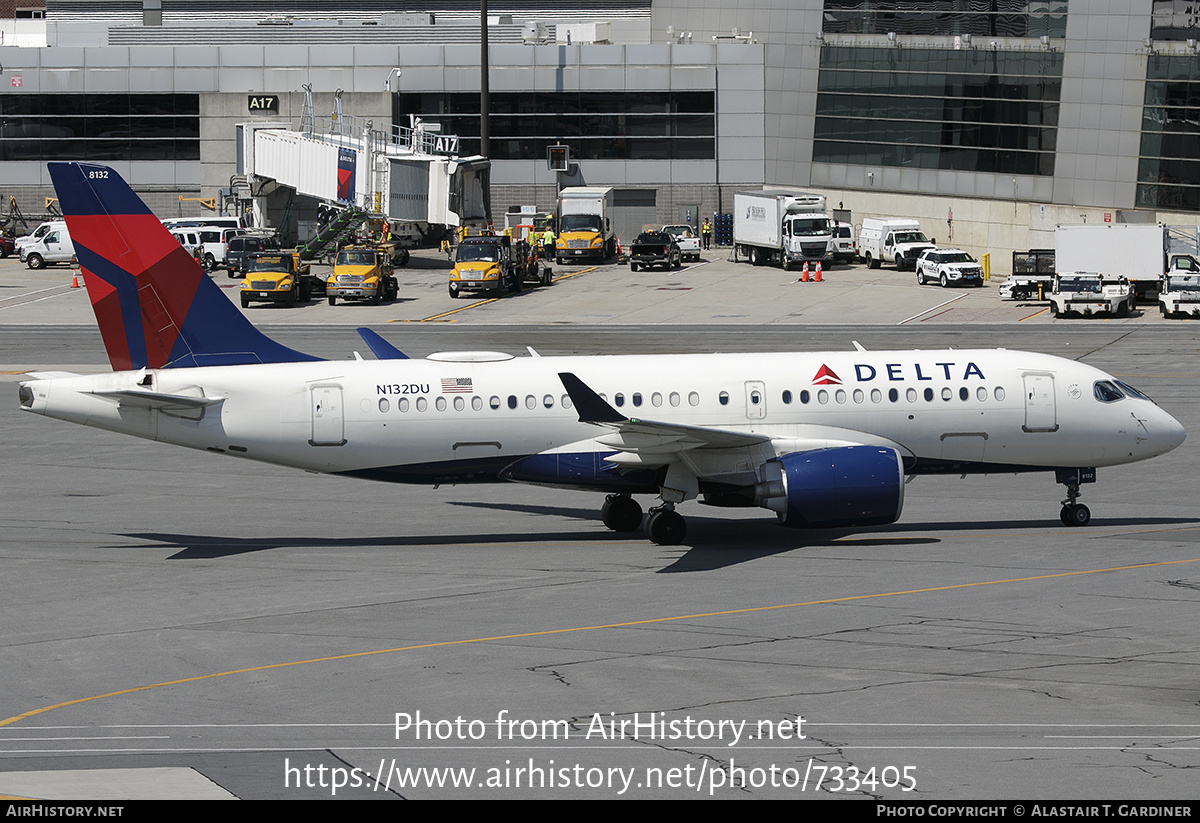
(1073, 513)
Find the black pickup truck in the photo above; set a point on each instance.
(655, 248)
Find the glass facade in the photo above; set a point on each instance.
(1174, 19)
(1169, 162)
(985, 18)
(597, 125)
(103, 127)
(961, 109)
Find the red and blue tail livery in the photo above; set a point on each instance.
(155, 306)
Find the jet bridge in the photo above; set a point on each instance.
(409, 175)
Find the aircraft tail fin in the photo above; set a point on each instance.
(155, 306)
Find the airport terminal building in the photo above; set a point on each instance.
(991, 120)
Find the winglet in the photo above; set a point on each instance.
(155, 306)
(380, 347)
(592, 407)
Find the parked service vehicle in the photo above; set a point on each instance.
(239, 248)
(37, 234)
(655, 248)
(362, 273)
(1088, 293)
(189, 238)
(949, 267)
(276, 277)
(1136, 251)
(54, 246)
(585, 229)
(688, 240)
(792, 229)
(897, 240)
(214, 241)
(487, 264)
(191, 222)
(845, 248)
(1179, 295)
(7, 246)
(1032, 273)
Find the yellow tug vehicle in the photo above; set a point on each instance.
(486, 265)
(276, 277)
(362, 273)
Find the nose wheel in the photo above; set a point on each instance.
(1073, 513)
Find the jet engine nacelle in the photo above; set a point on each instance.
(834, 488)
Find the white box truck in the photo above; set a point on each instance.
(897, 240)
(789, 229)
(585, 229)
(1135, 251)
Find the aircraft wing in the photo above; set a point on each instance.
(648, 436)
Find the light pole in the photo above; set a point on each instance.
(484, 103)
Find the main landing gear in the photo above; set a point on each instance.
(664, 526)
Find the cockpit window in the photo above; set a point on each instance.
(1106, 391)
(1132, 392)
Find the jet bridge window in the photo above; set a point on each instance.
(1106, 391)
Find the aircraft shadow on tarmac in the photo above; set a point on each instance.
(711, 544)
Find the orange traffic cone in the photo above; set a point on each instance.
(817, 276)
(74, 278)
(804, 273)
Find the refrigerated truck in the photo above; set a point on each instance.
(788, 229)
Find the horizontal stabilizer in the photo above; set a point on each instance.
(158, 400)
(380, 347)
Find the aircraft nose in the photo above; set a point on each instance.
(1173, 432)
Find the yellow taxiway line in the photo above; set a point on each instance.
(547, 632)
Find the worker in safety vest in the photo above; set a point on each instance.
(548, 243)
(706, 233)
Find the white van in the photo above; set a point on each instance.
(38, 234)
(54, 246)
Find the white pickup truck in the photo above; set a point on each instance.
(688, 240)
(1087, 293)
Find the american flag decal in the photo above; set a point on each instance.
(457, 385)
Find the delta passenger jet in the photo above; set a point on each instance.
(822, 439)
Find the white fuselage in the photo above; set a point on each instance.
(461, 420)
